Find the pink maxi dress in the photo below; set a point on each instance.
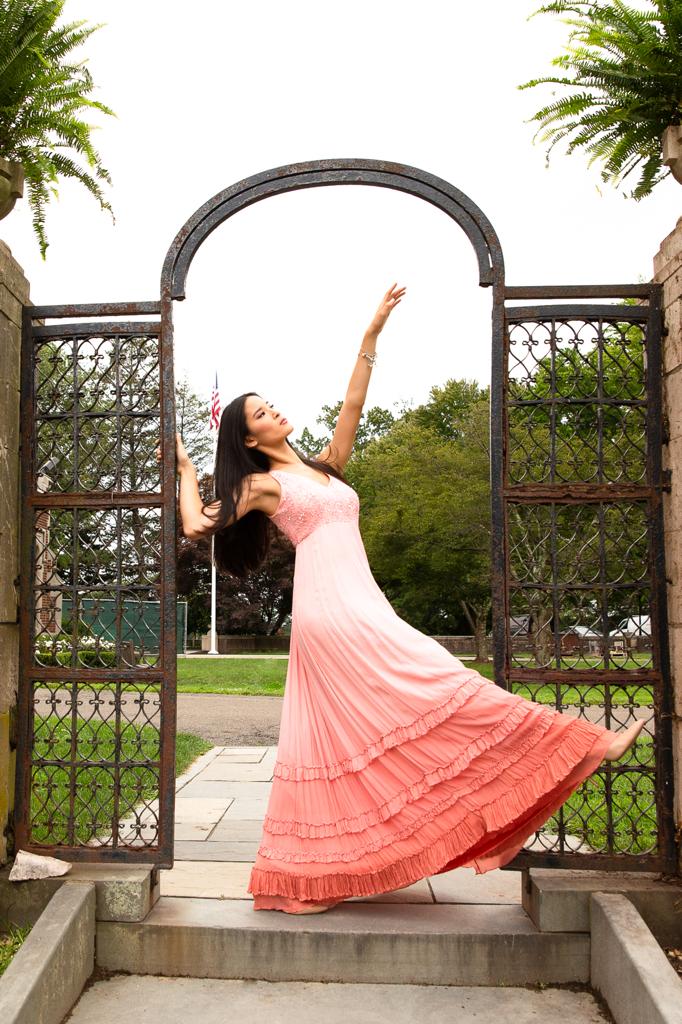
(395, 761)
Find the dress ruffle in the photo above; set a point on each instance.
(461, 832)
(369, 787)
(400, 734)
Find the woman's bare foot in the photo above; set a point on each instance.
(624, 741)
(314, 910)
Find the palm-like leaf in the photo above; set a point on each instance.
(42, 98)
(627, 66)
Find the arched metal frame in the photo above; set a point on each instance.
(383, 174)
(313, 174)
(521, 509)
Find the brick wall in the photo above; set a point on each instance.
(231, 644)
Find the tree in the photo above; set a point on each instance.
(191, 413)
(42, 94)
(449, 407)
(425, 511)
(374, 422)
(193, 566)
(578, 413)
(83, 383)
(261, 603)
(626, 86)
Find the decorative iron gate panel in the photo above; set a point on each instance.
(581, 618)
(97, 686)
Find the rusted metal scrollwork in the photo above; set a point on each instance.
(584, 623)
(97, 696)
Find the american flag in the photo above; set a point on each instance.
(214, 421)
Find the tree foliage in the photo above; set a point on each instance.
(191, 420)
(623, 70)
(424, 491)
(581, 413)
(374, 423)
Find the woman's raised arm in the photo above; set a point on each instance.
(341, 445)
(199, 519)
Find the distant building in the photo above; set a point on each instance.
(48, 602)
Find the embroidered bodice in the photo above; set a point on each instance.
(307, 504)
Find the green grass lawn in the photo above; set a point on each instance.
(10, 943)
(633, 808)
(261, 676)
(94, 806)
(266, 676)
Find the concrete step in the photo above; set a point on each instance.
(355, 942)
(177, 1000)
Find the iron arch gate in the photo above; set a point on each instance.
(579, 613)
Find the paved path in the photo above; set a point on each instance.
(230, 719)
(220, 718)
(227, 719)
(219, 809)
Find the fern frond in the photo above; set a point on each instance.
(626, 65)
(43, 95)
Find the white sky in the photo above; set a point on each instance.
(278, 298)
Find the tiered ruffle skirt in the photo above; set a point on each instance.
(395, 760)
(464, 784)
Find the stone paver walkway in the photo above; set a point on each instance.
(219, 810)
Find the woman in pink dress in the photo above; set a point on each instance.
(395, 761)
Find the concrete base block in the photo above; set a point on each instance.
(629, 967)
(47, 974)
(559, 901)
(354, 942)
(124, 892)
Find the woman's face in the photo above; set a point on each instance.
(264, 423)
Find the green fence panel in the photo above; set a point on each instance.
(140, 621)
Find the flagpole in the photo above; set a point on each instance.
(214, 422)
(214, 638)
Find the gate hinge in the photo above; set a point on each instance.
(667, 484)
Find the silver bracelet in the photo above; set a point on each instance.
(371, 359)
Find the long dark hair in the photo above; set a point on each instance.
(241, 547)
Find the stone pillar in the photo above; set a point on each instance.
(668, 272)
(14, 293)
